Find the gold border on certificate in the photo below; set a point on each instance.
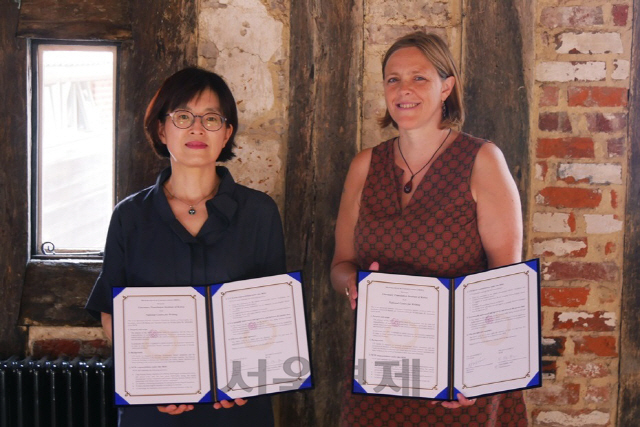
(296, 327)
(197, 342)
(437, 329)
(528, 310)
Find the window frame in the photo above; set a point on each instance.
(36, 252)
(52, 292)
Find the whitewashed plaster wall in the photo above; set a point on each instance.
(247, 43)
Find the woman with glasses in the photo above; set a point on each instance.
(195, 226)
(432, 201)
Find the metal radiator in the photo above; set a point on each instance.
(56, 393)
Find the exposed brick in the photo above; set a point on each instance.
(602, 224)
(606, 122)
(555, 394)
(564, 297)
(620, 69)
(614, 199)
(609, 248)
(597, 394)
(569, 197)
(615, 147)
(571, 270)
(55, 348)
(588, 71)
(553, 346)
(602, 346)
(571, 418)
(560, 247)
(565, 148)
(549, 369)
(549, 96)
(554, 122)
(620, 13)
(541, 170)
(591, 173)
(554, 222)
(554, 17)
(597, 96)
(599, 321)
(587, 370)
(572, 222)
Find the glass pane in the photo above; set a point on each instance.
(76, 134)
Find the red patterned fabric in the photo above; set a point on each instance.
(435, 235)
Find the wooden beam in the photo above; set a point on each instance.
(325, 89)
(495, 88)
(164, 41)
(79, 20)
(14, 215)
(629, 381)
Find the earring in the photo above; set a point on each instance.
(444, 110)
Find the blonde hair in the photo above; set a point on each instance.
(437, 52)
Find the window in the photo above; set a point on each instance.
(74, 139)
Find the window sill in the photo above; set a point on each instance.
(55, 291)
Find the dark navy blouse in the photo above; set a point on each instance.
(147, 246)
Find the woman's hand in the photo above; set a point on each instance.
(226, 404)
(352, 290)
(462, 401)
(175, 409)
(179, 409)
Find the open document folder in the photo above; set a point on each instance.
(202, 344)
(430, 337)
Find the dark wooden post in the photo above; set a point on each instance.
(495, 87)
(629, 385)
(326, 62)
(164, 41)
(14, 209)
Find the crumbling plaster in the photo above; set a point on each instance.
(247, 42)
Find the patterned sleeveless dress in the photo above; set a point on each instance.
(436, 235)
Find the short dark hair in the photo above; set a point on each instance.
(437, 52)
(178, 90)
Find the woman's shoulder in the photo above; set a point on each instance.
(482, 149)
(251, 194)
(362, 160)
(135, 201)
(473, 140)
(488, 157)
(253, 199)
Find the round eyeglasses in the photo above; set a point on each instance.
(184, 119)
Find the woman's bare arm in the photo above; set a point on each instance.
(343, 265)
(498, 207)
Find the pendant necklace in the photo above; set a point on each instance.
(409, 185)
(192, 209)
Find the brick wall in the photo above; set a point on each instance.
(579, 143)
